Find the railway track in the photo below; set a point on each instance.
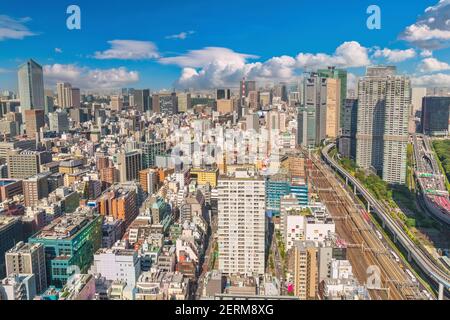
(365, 248)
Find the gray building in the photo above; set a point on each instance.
(312, 113)
(347, 141)
(436, 116)
(31, 86)
(384, 101)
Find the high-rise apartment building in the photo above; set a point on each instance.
(27, 258)
(59, 121)
(242, 225)
(31, 86)
(305, 270)
(384, 102)
(116, 103)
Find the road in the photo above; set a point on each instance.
(427, 264)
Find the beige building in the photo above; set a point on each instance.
(35, 188)
(305, 270)
(333, 107)
(225, 106)
(116, 103)
(27, 258)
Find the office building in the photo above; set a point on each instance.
(142, 100)
(384, 101)
(34, 121)
(70, 243)
(11, 232)
(26, 258)
(341, 75)
(129, 164)
(117, 265)
(116, 103)
(333, 113)
(167, 103)
(184, 102)
(31, 86)
(205, 176)
(149, 152)
(223, 94)
(10, 188)
(312, 113)
(242, 224)
(347, 141)
(58, 121)
(436, 116)
(225, 106)
(23, 164)
(35, 188)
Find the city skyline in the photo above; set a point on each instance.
(216, 50)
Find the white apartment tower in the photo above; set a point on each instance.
(242, 227)
(383, 115)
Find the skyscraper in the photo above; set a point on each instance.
(333, 108)
(31, 86)
(340, 74)
(312, 113)
(241, 208)
(64, 92)
(383, 113)
(436, 116)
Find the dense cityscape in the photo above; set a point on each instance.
(322, 187)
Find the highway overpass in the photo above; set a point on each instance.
(425, 263)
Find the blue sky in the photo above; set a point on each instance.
(247, 35)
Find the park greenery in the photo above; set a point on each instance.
(442, 148)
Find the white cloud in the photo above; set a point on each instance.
(215, 67)
(203, 57)
(87, 78)
(129, 50)
(347, 55)
(11, 28)
(58, 50)
(181, 35)
(433, 65)
(432, 30)
(352, 81)
(426, 53)
(435, 80)
(395, 55)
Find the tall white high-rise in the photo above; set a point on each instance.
(242, 225)
(383, 114)
(31, 86)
